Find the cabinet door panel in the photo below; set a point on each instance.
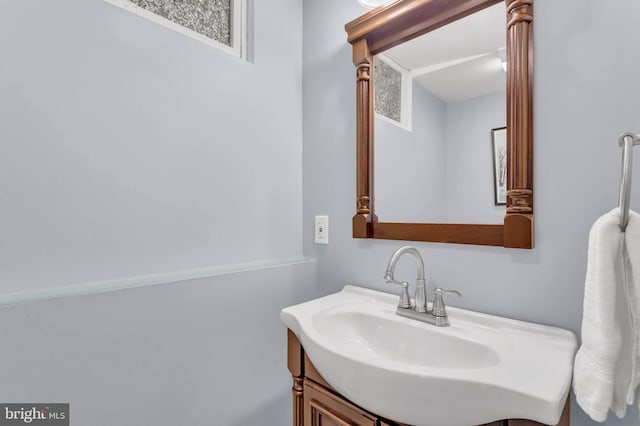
(323, 416)
(323, 408)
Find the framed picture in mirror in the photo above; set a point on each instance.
(499, 138)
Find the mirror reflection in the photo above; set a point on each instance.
(440, 102)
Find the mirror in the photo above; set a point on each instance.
(449, 122)
(436, 100)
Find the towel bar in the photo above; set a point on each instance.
(627, 141)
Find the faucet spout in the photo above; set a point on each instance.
(421, 291)
(391, 266)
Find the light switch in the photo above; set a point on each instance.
(322, 229)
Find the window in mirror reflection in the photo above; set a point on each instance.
(442, 170)
(392, 92)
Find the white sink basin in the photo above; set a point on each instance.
(481, 369)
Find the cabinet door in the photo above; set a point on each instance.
(323, 408)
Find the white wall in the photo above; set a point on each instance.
(586, 93)
(470, 160)
(409, 164)
(202, 352)
(130, 149)
(126, 150)
(447, 151)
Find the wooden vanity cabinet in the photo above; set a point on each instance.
(316, 403)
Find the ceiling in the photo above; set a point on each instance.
(460, 60)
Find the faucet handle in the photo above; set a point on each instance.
(439, 309)
(405, 300)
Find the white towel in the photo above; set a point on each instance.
(605, 370)
(631, 252)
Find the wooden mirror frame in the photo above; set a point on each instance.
(402, 20)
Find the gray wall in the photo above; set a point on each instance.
(586, 93)
(201, 352)
(469, 158)
(410, 166)
(447, 151)
(130, 149)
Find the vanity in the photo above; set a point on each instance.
(354, 361)
(316, 403)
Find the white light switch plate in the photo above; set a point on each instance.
(322, 229)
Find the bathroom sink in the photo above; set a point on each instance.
(363, 334)
(480, 369)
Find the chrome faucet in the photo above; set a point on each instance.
(421, 290)
(437, 316)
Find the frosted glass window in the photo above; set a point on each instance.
(387, 91)
(391, 92)
(211, 18)
(220, 23)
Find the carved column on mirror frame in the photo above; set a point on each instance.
(519, 220)
(364, 136)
